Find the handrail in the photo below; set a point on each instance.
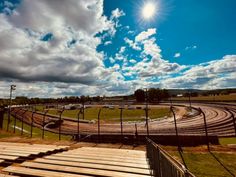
(163, 164)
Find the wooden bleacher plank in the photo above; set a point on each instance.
(4, 175)
(37, 172)
(15, 154)
(117, 156)
(117, 152)
(36, 145)
(7, 157)
(79, 170)
(19, 151)
(128, 160)
(98, 166)
(114, 150)
(27, 145)
(97, 161)
(27, 149)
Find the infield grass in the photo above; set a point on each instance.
(114, 114)
(37, 132)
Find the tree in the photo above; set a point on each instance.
(139, 95)
(153, 94)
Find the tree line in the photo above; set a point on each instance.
(22, 100)
(151, 95)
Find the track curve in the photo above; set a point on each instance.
(220, 122)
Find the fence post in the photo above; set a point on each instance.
(99, 123)
(189, 99)
(234, 119)
(121, 122)
(83, 110)
(22, 124)
(1, 117)
(176, 129)
(146, 111)
(44, 115)
(32, 123)
(14, 128)
(78, 126)
(205, 125)
(60, 123)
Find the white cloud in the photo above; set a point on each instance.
(117, 13)
(132, 44)
(112, 60)
(214, 74)
(132, 61)
(177, 55)
(152, 63)
(107, 43)
(25, 57)
(145, 35)
(190, 47)
(120, 55)
(54, 68)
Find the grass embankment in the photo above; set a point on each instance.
(220, 162)
(218, 98)
(227, 141)
(114, 114)
(206, 164)
(37, 133)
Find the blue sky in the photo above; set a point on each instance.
(209, 25)
(59, 48)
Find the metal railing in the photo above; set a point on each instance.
(162, 164)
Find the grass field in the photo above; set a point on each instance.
(225, 141)
(114, 114)
(231, 97)
(37, 133)
(205, 164)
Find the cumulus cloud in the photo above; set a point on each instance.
(117, 13)
(145, 35)
(177, 55)
(69, 63)
(132, 44)
(25, 57)
(214, 74)
(152, 63)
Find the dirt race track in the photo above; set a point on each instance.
(220, 120)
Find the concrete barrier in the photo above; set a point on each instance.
(190, 140)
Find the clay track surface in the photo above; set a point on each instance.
(220, 122)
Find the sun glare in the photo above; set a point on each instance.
(148, 10)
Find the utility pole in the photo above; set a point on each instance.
(12, 87)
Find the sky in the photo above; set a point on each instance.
(56, 48)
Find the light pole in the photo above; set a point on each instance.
(12, 87)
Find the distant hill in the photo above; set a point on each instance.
(216, 91)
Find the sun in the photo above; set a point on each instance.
(148, 10)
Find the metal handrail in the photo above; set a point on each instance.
(162, 164)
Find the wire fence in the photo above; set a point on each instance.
(162, 164)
